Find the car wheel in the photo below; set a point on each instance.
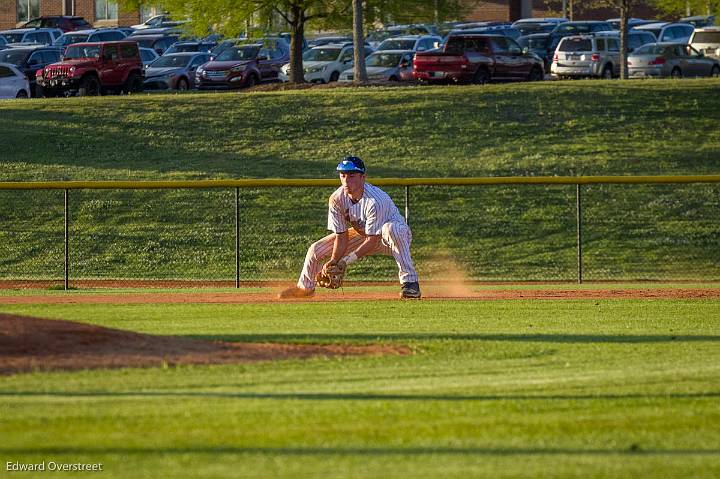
(251, 81)
(481, 77)
(334, 77)
(536, 74)
(676, 73)
(394, 78)
(89, 86)
(715, 72)
(133, 84)
(607, 72)
(182, 84)
(21, 94)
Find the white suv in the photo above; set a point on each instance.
(707, 41)
(325, 63)
(587, 56)
(416, 43)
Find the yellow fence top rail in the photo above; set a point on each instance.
(279, 182)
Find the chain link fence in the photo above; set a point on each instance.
(487, 232)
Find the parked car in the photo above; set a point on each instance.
(42, 36)
(92, 69)
(65, 23)
(288, 38)
(388, 65)
(321, 41)
(13, 83)
(675, 60)
(699, 21)
(158, 21)
(470, 58)
(29, 60)
(567, 29)
(244, 65)
(635, 38)
(159, 43)
(632, 22)
(530, 26)
(504, 30)
(376, 37)
(90, 36)
(587, 56)
(669, 32)
(174, 71)
(3, 41)
(537, 43)
(148, 55)
(324, 64)
(707, 41)
(182, 46)
(416, 43)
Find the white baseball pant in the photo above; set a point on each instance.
(396, 239)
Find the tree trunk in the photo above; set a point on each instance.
(624, 12)
(359, 70)
(297, 25)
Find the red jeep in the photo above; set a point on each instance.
(92, 69)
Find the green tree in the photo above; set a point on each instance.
(682, 8)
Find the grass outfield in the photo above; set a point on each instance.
(599, 388)
(493, 233)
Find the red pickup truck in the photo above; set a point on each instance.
(477, 58)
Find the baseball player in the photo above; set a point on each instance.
(364, 221)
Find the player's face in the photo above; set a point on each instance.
(352, 183)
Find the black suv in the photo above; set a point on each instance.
(30, 59)
(63, 22)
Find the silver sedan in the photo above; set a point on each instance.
(674, 60)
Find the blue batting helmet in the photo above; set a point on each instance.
(351, 164)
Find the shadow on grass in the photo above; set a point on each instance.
(364, 396)
(633, 450)
(393, 337)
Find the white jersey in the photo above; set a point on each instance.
(367, 216)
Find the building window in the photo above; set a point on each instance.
(106, 10)
(27, 9)
(149, 11)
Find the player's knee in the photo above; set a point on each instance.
(317, 251)
(393, 230)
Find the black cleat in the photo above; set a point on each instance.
(410, 291)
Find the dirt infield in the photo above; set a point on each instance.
(431, 294)
(30, 344)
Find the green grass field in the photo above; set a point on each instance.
(601, 388)
(493, 233)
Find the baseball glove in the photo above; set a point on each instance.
(332, 274)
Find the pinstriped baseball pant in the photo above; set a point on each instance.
(396, 239)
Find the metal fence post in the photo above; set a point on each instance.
(578, 227)
(237, 237)
(67, 241)
(407, 204)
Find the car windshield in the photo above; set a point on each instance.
(70, 38)
(13, 37)
(576, 45)
(651, 49)
(16, 57)
(248, 52)
(82, 51)
(397, 44)
(574, 28)
(171, 61)
(707, 37)
(188, 47)
(321, 54)
(539, 43)
(383, 60)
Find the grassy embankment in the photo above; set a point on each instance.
(558, 128)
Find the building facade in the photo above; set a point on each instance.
(100, 13)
